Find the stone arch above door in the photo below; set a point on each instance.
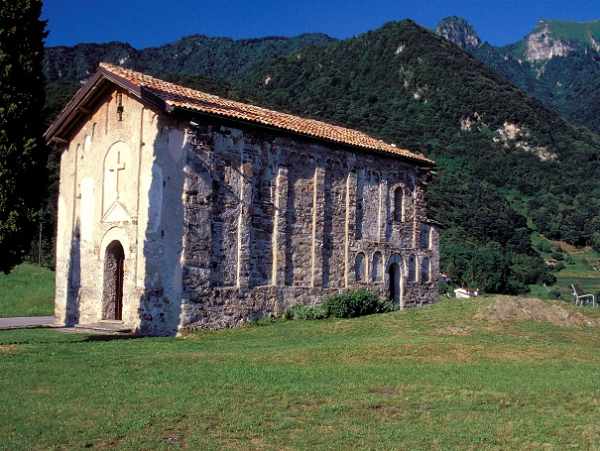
(115, 234)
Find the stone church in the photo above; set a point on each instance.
(180, 209)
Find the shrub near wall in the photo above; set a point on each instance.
(355, 303)
(350, 304)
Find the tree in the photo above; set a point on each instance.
(22, 152)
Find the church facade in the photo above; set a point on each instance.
(179, 209)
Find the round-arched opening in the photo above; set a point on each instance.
(112, 293)
(376, 267)
(395, 283)
(360, 267)
(399, 204)
(393, 279)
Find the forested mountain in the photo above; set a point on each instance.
(558, 63)
(204, 61)
(492, 142)
(220, 58)
(503, 157)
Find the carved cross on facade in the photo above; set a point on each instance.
(116, 168)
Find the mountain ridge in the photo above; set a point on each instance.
(217, 57)
(504, 157)
(492, 142)
(564, 74)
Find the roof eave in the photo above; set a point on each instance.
(85, 94)
(76, 107)
(70, 110)
(425, 162)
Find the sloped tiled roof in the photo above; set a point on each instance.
(181, 97)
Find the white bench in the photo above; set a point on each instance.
(582, 299)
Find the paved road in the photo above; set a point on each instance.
(26, 321)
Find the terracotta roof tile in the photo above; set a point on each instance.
(181, 97)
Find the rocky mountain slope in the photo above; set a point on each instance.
(493, 143)
(460, 32)
(558, 63)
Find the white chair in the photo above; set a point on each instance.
(581, 299)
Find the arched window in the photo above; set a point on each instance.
(424, 237)
(412, 269)
(399, 204)
(425, 270)
(359, 267)
(376, 272)
(87, 143)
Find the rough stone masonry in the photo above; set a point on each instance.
(179, 209)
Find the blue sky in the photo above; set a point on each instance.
(145, 23)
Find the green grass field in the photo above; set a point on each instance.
(431, 378)
(27, 291)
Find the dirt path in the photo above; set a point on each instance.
(25, 321)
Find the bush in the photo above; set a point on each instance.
(355, 303)
(444, 288)
(559, 267)
(346, 305)
(544, 246)
(549, 279)
(306, 312)
(595, 241)
(558, 255)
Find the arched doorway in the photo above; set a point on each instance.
(395, 283)
(112, 294)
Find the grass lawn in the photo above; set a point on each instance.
(431, 378)
(27, 291)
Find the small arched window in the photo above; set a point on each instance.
(359, 267)
(376, 272)
(399, 204)
(425, 237)
(412, 269)
(120, 108)
(425, 270)
(87, 143)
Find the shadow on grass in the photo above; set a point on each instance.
(102, 337)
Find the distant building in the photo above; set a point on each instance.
(182, 209)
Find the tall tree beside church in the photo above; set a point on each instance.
(22, 152)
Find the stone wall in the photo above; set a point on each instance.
(273, 220)
(121, 180)
(222, 223)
